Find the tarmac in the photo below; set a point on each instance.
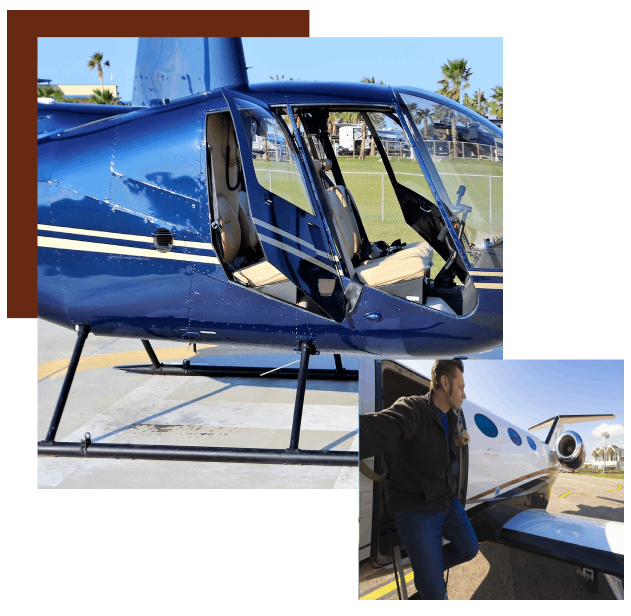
(500, 572)
(121, 407)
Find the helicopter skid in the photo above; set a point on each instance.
(186, 369)
(197, 454)
(292, 455)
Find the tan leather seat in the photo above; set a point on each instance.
(413, 261)
(259, 274)
(403, 265)
(233, 206)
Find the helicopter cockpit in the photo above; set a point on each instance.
(297, 222)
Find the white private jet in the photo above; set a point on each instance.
(505, 476)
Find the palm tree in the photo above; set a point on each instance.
(95, 62)
(478, 103)
(420, 115)
(103, 97)
(455, 79)
(50, 92)
(497, 106)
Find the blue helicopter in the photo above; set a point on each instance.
(214, 210)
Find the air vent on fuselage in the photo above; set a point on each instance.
(163, 240)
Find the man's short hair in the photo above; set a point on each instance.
(445, 367)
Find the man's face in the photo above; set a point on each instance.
(455, 391)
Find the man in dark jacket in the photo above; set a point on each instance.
(421, 484)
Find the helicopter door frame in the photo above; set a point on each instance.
(355, 286)
(435, 184)
(286, 231)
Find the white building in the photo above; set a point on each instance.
(613, 457)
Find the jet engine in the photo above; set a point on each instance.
(570, 450)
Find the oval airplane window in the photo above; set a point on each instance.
(514, 436)
(486, 425)
(532, 444)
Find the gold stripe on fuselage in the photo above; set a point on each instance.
(131, 251)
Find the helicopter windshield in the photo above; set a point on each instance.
(463, 154)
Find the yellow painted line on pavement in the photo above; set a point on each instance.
(59, 367)
(578, 491)
(384, 590)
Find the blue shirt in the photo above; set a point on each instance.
(445, 421)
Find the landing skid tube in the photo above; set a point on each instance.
(186, 369)
(292, 455)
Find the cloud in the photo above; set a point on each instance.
(613, 429)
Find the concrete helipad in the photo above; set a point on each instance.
(119, 407)
(499, 572)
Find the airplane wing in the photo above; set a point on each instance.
(570, 419)
(586, 542)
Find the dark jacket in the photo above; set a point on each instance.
(412, 429)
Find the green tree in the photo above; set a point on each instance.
(478, 103)
(456, 75)
(103, 97)
(50, 92)
(420, 114)
(497, 106)
(94, 62)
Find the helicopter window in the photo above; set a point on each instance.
(469, 160)
(273, 155)
(514, 436)
(485, 425)
(379, 207)
(532, 444)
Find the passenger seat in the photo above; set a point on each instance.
(413, 261)
(237, 224)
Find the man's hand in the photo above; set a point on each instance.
(463, 440)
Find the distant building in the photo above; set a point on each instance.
(80, 92)
(613, 457)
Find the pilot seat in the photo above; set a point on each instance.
(401, 273)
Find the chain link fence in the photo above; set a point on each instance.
(383, 219)
(379, 207)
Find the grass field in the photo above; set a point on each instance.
(377, 203)
(608, 474)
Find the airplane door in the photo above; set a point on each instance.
(285, 212)
(463, 459)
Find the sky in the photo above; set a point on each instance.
(395, 61)
(533, 391)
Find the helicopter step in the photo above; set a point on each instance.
(291, 455)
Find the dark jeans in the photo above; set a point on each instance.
(422, 535)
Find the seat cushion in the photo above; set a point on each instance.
(259, 274)
(230, 229)
(413, 261)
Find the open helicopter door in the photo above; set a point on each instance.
(436, 185)
(285, 213)
(392, 381)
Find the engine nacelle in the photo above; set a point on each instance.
(570, 450)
